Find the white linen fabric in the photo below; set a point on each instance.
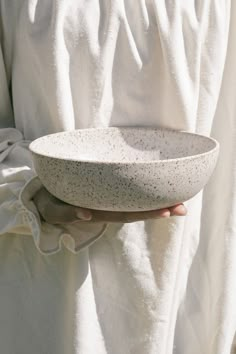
(154, 287)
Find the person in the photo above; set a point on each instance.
(82, 281)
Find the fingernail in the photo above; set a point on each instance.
(183, 209)
(166, 214)
(83, 215)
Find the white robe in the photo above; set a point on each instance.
(154, 287)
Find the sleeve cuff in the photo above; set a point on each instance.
(49, 238)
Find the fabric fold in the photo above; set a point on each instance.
(49, 238)
(18, 213)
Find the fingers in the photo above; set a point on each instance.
(108, 216)
(54, 211)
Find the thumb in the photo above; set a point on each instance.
(67, 214)
(55, 211)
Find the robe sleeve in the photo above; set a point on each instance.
(19, 183)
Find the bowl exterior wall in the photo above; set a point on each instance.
(125, 187)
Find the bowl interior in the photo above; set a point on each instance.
(122, 145)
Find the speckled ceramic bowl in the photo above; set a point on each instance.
(124, 169)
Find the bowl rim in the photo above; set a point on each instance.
(214, 149)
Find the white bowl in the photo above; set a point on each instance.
(124, 169)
